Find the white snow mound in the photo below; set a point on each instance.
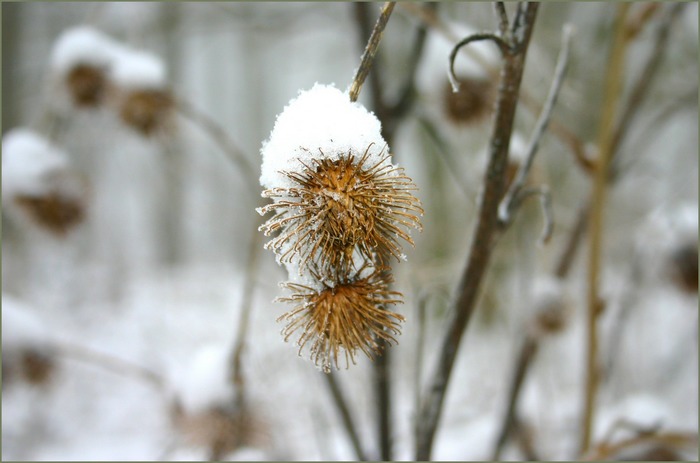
(82, 45)
(320, 123)
(28, 160)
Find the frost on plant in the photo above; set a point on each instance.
(340, 207)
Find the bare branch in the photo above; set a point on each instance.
(507, 206)
(645, 79)
(370, 51)
(503, 26)
(236, 357)
(107, 362)
(221, 138)
(543, 193)
(613, 85)
(485, 236)
(345, 415)
(502, 45)
(528, 350)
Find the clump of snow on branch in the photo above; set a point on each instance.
(82, 45)
(138, 69)
(321, 123)
(127, 67)
(28, 161)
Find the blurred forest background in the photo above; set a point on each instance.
(145, 328)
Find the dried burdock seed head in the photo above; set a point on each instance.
(474, 101)
(339, 206)
(87, 85)
(39, 185)
(147, 110)
(338, 321)
(550, 306)
(37, 366)
(684, 261)
(80, 60)
(54, 212)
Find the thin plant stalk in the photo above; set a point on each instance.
(485, 235)
(370, 51)
(613, 86)
(223, 140)
(236, 357)
(345, 415)
(528, 350)
(107, 362)
(638, 94)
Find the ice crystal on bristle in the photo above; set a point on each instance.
(339, 206)
(338, 321)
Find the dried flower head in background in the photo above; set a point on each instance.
(87, 84)
(473, 102)
(39, 184)
(341, 208)
(341, 319)
(684, 260)
(147, 110)
(476, 97)
(144, 102)
(80, 59)
(53, 211)
(26, 352)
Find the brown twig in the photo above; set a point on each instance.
(370, 51)
(106, 361)
(345, 415)
(641, 87)
(613, 85)
(236, 357)
(513, 195)
(637, 96)
(528, 350)
(562, 132)
(223, 140)
(607, 451)
(484, 235)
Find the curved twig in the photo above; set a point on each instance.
(508, 203)
(501, 43)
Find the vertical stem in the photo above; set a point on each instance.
(613, 86)
(345, 415)
(484, 235)
(370, 51)
(528, 350)
(383, 382)
(236, 356)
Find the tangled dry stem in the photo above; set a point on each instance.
(341, 319)
(342, 206)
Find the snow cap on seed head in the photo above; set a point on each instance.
(82, 46)
(320, 123)
(138, 69)
(27, 161)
